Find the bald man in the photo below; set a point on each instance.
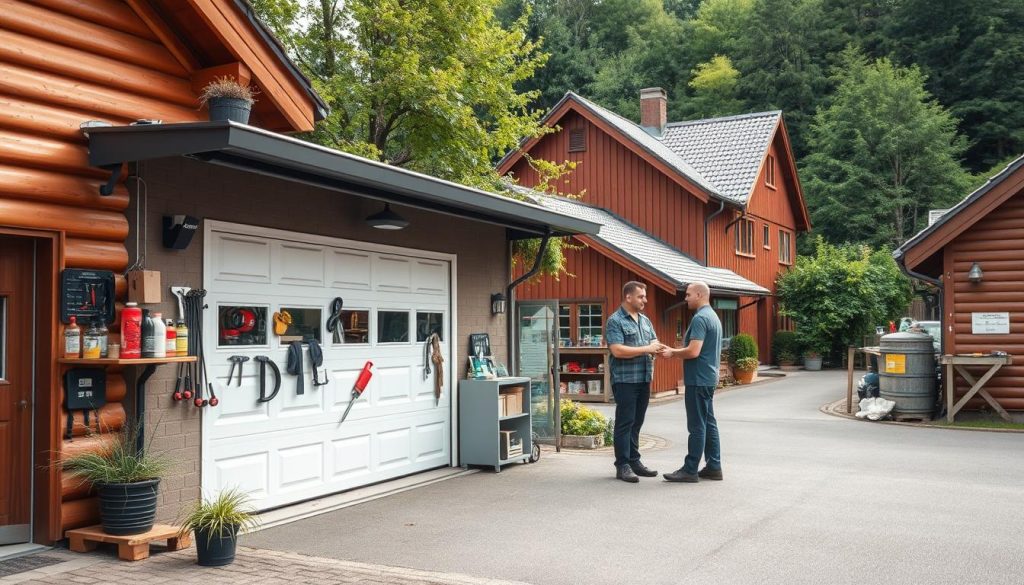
(702, 354)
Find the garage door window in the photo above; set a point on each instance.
(305, 323)
(357, 326)
(241, 325)
(392, 327)
(427, 323)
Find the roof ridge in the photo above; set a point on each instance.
(732, 118)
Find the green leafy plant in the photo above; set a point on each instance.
(580, 420)
(785, 346)
(742, 346)
(223, 516)
(747, 364)
(120, 462)
(227, 87)
(785, 356)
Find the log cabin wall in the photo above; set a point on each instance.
(63, 62)
(996, 243)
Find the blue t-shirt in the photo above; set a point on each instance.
(703, 369)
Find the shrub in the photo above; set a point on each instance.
(577, 419)
(785, 346)
(742, 346)
(747, 364)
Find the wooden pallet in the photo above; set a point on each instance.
(911, 418)
(134, 547)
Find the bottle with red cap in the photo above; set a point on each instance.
(131, 332)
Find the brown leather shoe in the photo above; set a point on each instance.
(681, 476)
(626, 474)
(715, 474)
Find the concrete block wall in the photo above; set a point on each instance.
(206, 191)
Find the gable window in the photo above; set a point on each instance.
(577, 140)
(581, 324)
(766, 237)
(785, 245)
(769, 171)
(745, 237)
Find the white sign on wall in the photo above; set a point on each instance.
(990, 323)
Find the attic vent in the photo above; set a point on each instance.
(935, 214)
(577, 140)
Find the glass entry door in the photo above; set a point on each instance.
(536, 353)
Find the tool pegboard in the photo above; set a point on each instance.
(86, 295)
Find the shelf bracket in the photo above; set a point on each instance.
(115, 174)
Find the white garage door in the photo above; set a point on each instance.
(293, 448)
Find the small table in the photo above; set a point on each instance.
(851, 353)
(957, 363)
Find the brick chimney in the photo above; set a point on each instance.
(653, 110)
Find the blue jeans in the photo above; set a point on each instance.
(630, 409)
(703, 428)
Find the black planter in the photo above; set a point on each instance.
(128, 508)
(232, 109)
(216, 550)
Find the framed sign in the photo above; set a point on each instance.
(990, 323)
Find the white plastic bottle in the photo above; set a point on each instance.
(160, 335)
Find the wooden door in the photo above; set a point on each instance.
(16, 324)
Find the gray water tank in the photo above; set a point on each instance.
(907, 373)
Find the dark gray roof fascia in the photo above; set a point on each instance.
(260, 151)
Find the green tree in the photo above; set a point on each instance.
(882, 154)
(714, 90)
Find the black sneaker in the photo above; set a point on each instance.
(642, 470)
(681, 476)
(626, 474)
(715, 474)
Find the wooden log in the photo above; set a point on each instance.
(121, 288)
(76, 221)
(69, 31)
(79, 513)
(91, 444)
(81, 253)
(965, 265)
(90, 98)
(971, 257)
(111, 420)
(111, 14)
(36, 152)
(117, 389)
(996, 298)
(70, 62)
(988, 287)
(989, 233)
(74, 488)
(42, 120)
(58, 188)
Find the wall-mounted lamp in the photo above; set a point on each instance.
(387, 219)
(975, 274)
(498, 304)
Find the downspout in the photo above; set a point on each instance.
(707, 222)
(938, 284)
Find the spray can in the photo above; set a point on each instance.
(72, 339)
(131, 332)
(159, 336)
(171, 341)
(91, 342)
(181, 332)
(148, 335)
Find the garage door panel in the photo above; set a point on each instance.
(301, 466)
(394, 447)
(248, 472)
(299, 265)
(350, 270)
(429, 441)
(392, 274)
(391, 384)
(241, 259)
(430, 278)
(352, 457)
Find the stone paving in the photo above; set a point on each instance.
(251, 565)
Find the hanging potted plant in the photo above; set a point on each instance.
(227, 99)
(216, 524)
(126, 480)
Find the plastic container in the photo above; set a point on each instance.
(73, 339)
(159, 336)
(104, 340)
(114, 351)
(131, 332)
(148, 335)
(182, 339)
(171, 340)
(91, 342)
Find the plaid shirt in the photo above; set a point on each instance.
(624, 330)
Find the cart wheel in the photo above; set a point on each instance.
(535, 452)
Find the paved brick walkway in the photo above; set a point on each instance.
(251, 566)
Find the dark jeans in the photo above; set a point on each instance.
(700, 421)
(630, 409)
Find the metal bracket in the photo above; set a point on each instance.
(115, 174)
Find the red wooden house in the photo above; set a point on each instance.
(716, 200)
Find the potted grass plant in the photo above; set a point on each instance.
(228, 99)
(126, 479)
(216, 524)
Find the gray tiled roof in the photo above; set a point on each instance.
(727, 151)
(646, 250)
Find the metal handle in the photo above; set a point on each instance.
(22, 404)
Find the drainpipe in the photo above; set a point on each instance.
(707, 221)
(941, 296)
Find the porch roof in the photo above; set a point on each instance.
(259, 151)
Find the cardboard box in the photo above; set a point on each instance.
(509, 444)
(594, 387)
(144, 287)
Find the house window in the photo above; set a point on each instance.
(766, 237)
(745, 237)
(785, 245)
(769, 171)
(577, 140)
(581, 324)
(392, 327)
(728, 314)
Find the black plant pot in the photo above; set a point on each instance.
(128, 508)
(232, 109)
(216, 550)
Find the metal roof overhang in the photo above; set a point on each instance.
(254, 150)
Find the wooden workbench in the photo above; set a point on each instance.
(958, 363)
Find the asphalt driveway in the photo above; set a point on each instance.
(808, 498)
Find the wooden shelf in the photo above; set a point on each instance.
(585, 397)
(581, 373)
(125, 362)
(588, 350)
(512, 416)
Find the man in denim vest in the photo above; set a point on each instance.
(702, 353)
(633, 345)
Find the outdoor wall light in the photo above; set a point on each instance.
(497, 304)
(387, 219)
(975, 274)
